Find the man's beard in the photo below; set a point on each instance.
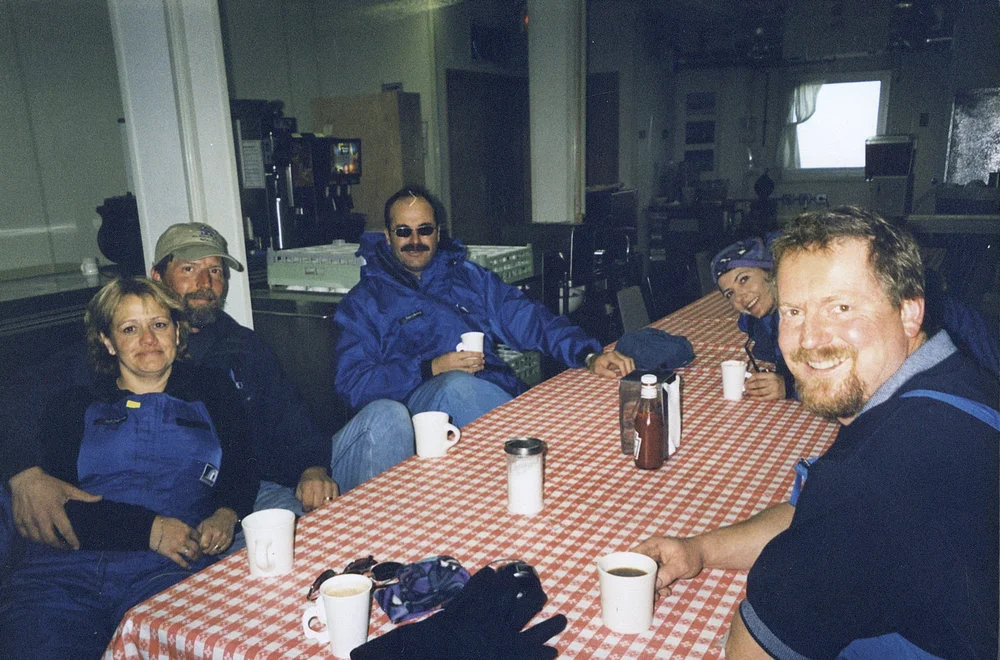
(206, 313)
(819, 397)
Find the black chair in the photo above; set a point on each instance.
(633, 313)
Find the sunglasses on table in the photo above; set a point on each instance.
(403, 231)
(519, 567)
(381, 573)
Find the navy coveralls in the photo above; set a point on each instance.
(150, 450)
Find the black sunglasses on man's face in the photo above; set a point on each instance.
(403, 231)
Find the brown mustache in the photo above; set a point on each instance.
(803, 355)
(205, 294)
(414, 247)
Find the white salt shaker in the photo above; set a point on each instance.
(525, 474)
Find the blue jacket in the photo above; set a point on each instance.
(392, 324)
(284, 438)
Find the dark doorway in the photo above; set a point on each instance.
(602, 128)
(488, 153)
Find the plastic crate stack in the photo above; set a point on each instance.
(527, 365)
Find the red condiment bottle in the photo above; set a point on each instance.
(648, 427)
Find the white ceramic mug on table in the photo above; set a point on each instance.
(270, 535)
(628, 591)
(344, 607)
(435, 435)
(734, 373)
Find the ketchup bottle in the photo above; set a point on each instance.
(648, 427)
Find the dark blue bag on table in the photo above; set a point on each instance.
(422, 587)
(656, 350)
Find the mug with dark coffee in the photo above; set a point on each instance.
(628, 589)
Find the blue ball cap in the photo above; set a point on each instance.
(750, 252)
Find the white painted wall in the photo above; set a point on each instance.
(297, 50)
(61, 145)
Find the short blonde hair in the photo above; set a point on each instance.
(101, 310)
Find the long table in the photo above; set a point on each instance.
(735, 459)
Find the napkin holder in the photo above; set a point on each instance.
(669, 400)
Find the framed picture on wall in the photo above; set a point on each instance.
(700, 103)
(699, 132)
(700, 160)
(974, 142)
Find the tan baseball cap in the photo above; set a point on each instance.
(191, 241)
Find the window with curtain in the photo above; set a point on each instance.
(827, 124)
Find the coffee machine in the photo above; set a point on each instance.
(295, 188)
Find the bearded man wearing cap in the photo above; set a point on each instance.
(298, 466)
(742, 271)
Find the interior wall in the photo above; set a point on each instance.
(620, 39)
(61, 102)
(296, 50)
(922, 87)
(60, 138)
(452, 28)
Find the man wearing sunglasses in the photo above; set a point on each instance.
(418, 294)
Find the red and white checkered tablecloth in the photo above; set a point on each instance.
(735, 459)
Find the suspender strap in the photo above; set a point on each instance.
(980, 411)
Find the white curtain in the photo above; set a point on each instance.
(801, 106)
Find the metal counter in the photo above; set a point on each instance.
(299, 327)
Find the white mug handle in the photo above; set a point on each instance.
(454, 432)
(460, 347)
(308, 615)
(260, 555)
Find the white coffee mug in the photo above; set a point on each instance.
(270, 535)
(434, 434)
(628, 591)
(471, 341)
(344, 607)
(734, 373)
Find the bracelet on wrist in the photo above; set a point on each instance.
(160, 538)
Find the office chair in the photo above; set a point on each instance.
(632, 309)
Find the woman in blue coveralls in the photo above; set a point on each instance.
(165, 447)
(742, 272)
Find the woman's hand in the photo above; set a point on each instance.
(215, 533)
(175, 540)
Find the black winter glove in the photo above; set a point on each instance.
(483, 621)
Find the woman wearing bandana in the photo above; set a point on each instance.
(742, 272)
